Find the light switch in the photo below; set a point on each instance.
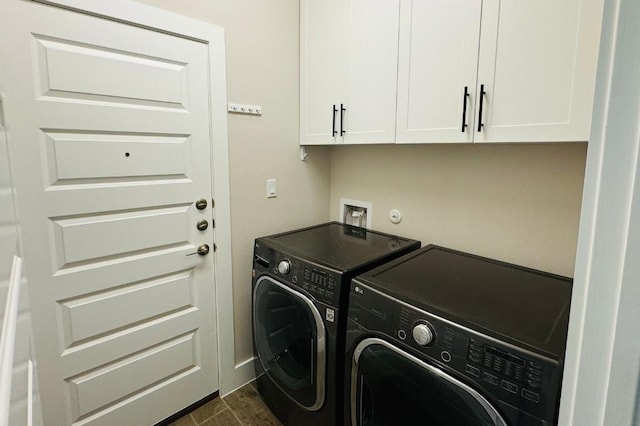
(272, 189)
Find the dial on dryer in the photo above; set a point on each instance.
(422, 334)
(284, 267)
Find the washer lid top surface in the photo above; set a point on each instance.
(339, 246)
(526, 305)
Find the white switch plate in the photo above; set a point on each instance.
(272, 189)
(245, 109)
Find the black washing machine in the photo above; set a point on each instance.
(300, 288)
(440, 337)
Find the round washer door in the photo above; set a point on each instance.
(289, 338)
(388, 384)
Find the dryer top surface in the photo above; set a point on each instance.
(521, 303)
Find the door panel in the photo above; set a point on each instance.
(438, 58)
(111, 156)
(538, 65)
(320, 65)
(109, 133)
(370, 71)
(89, 315)
(92, 391)
(133, 78)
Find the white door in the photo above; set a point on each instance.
(109, 140)
(370, 71)
(538, 65)
(437, 70)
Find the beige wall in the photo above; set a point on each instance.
(517, 203)
(262, 40)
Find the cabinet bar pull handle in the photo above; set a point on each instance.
(342, 110)
(333, 125)
(482, 93)
(464, 108)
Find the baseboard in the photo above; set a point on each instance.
(243, 373)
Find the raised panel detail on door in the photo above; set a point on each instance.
(89, 316)
(96, 236)
(116, 76)
(108, 385)
(108, 157)
(370, 71)
(538, 64)
(110, 137)
(437, 60)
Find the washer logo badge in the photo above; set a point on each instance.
(330, 315)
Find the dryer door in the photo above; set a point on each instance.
(289, 338)
(388, 384)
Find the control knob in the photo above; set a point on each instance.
(284, 267)
(422, 334)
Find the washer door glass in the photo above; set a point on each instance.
(289, 338)
(388, 384)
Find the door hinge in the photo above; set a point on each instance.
(213, 203)
(213, 223)
(215, 247)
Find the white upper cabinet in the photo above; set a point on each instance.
(537, 65)
(348, 71)
(437, 67)
(435, 71)
(320, 70)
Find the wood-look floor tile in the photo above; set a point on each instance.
(183, 421)
(249, 408)
(225, 418)
(208, 410)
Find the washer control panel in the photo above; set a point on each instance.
(508, 373)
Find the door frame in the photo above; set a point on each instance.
(601, 383)
(231, 376)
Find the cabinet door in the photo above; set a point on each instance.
(538, 65)
(370, 71)
(437, 60)
(320, 70)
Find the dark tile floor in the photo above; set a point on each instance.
(240, 408)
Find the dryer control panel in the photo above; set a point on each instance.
(321, 283)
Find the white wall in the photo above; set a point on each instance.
(262, 39)
(519, 203)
